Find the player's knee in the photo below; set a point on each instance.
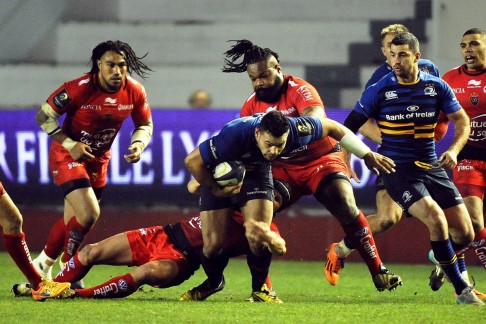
(159, 273)
(12, 226)
(89, 254)
(212, 249)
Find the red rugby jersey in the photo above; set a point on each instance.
(470, 89)
(94, 116)
(297, 95)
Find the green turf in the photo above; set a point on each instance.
(307, 297)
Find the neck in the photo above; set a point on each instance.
(410, 78)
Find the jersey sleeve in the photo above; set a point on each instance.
(229, 144)
(366, 105)
(141, 110)
(303, 130)
(304, 95)
(450, 104)
(62, 99)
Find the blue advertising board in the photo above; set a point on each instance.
(159, 178)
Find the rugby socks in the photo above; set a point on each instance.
(18, 250)
(214, 268)
(345, 247)
(55, 240)
(268, 282)
(73, 271)
(75, 233)
(359, 232)
(445, 255)
(116, 287)
(479, 246)
(259, 267)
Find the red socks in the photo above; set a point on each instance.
(117, 287)
(74, 235)
(359, 233)
(479, 246)
(55, 240)
(73, 271)
(18, 250)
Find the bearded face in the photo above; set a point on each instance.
(267, 79)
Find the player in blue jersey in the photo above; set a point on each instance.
(388, 212)
(406, 105)
(256, 140)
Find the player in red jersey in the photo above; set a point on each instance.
(95, 105)
(468, 82)
(319, 168)
(14, 241)
(164, 256)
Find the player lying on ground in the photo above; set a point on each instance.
(165, 256)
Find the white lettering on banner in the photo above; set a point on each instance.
(168, 176)
(3, 158)
(44, 176)
(31, 153)
(139, 177)
(134, 176)
(25, 153)
(115, 176)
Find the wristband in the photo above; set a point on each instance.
(68, 144)
(354, 145)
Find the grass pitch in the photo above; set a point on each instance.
(307, 296)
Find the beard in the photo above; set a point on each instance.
(270, 94)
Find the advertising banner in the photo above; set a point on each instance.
(159, 178)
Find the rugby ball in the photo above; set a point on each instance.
(229, 173)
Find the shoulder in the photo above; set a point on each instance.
(428, 66)
(452, 73)
(134, 86)
(82, 82)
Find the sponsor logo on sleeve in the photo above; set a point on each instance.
(61, 100)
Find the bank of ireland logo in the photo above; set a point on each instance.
(406, 196)
(474, 98)
(413, 108)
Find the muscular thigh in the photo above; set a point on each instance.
(305, 179)
(151, 244)
(64, 169)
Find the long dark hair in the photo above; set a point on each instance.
(251, 54)
(134, 63)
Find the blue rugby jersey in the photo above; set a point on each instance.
(426, 66)
(236, 140)
(407, 114)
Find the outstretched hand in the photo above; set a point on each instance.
(135, 153)
(377, 162)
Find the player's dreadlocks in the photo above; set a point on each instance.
(134, 63)
(251, 54)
